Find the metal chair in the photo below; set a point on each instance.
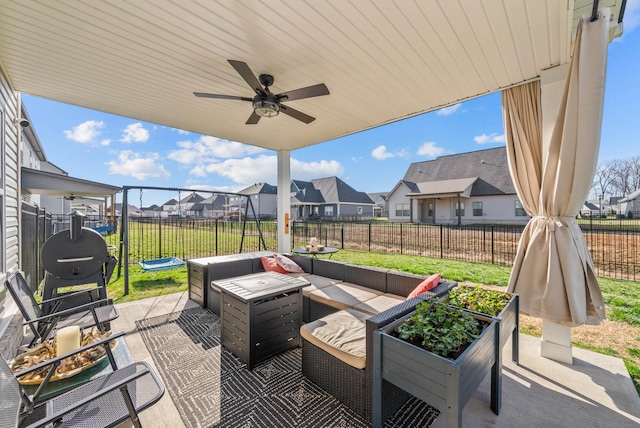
(96, 313)
(102, 402)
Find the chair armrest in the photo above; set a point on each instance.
(84, 307)
(67, 295)
(57, 360)
(103, 391)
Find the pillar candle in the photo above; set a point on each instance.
(68, 339)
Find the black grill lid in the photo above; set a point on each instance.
(76, 253)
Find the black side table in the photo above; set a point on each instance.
(261, 314)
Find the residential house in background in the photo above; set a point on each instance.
(466, 188)
(212, 207)
(381, 208)
(629, 204)
(329, 198)
(590, 209)
(264, 198)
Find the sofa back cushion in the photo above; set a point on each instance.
(369, 277)
(306, 263)
(230, 269)
(328, 268)
(402, 283)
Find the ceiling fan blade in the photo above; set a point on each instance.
(308, 92)
(297, 114)
(224, 97)
(253, 119)
(245, 72)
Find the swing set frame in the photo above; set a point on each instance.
(123, 252)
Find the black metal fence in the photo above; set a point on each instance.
(615, 250)
(614, 244)
(36, 228)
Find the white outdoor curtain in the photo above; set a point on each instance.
(553, 271)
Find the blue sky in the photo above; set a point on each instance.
(122, 151)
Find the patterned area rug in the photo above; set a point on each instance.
(212, 388)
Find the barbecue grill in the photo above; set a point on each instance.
(77, 256)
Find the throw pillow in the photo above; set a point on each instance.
(426, 285)
(287, 264)
(270, 265)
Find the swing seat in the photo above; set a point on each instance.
(161, 264)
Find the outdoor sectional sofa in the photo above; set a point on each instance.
(341, 294)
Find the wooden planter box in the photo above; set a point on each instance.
(508, 325)
(443, 383)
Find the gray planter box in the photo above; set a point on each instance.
(443, 383)
(508, 325)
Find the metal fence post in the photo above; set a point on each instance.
(492, 246)
(441, 242)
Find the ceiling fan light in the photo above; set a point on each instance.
(266, 108)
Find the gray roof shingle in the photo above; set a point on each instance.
(490, 166)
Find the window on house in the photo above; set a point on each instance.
(459, 209)
(402, 210)
(359, 210)
(430, 209)
(477, 209)
(328, 211)
(520, 212)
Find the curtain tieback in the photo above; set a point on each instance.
(552, 221)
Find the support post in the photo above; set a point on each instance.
(284, 200)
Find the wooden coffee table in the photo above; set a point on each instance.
(260, 314)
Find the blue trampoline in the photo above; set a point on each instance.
(161, 264)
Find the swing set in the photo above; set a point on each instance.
(167, 262)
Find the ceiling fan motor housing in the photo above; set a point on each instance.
(266, 106)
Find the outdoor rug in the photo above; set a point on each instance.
(212, 388)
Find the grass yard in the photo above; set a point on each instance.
(618, 335)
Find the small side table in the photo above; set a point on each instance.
(326, 250)
(261, 314)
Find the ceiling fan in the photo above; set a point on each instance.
(265, 103)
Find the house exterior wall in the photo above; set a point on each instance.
(265, 205)
(9, 194)
(495, 209)
(396, 198)
(355, 210)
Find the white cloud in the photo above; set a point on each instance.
(491, 138)
(381, 153)
(309, 170)
(87, 133)
(134, 165)
(263, 168)
(430, 148)
(448, 110)
(135, 133)
(210, 149)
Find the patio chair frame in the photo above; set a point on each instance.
(95, 313)
(97, 398)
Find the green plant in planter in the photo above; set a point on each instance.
(478, 299)
(440, 328)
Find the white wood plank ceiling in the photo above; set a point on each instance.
(381, 60)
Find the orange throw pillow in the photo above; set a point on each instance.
(426, 285)
(271, 265)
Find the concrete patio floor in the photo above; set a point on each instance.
(596, 391)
